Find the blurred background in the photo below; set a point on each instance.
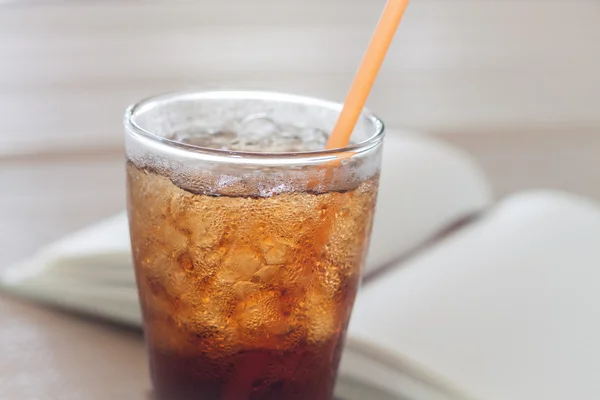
(514, 82)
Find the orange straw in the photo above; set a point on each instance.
(367, 73)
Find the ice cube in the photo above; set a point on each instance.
(259, 312)
(243, 289)
(253, 132)
(239, 264)
(278, 253)
(322, 315)
(267, 274)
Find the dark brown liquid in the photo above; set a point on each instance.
(304, 373)
(246, 298)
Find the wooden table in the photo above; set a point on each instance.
(514, 86)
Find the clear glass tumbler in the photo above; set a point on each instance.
(248, 240)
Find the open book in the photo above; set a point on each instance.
(463, 298)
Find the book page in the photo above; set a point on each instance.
(507, 308)
(426, 186)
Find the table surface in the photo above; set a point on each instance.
(528, 116)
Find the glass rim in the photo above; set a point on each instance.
(137, 132)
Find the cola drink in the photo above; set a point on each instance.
(246, 284)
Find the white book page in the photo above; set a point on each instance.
(100, 249)
(507, 308)
(425, 187)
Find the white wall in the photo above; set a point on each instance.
(67, 70)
